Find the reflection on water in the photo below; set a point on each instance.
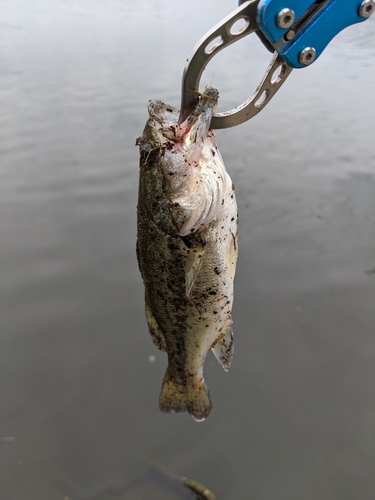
(295, 416)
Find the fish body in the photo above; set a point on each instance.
(186, 248)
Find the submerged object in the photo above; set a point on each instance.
(186, 248)
(159, 483)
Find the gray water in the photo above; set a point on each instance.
(79, 376)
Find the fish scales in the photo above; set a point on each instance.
(186, 248)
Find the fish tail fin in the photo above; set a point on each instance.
(178, 398)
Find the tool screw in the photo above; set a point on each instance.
(289, 35)
(307, 56)
(366, 8)
(285, 18)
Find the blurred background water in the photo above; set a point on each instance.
(79, 375)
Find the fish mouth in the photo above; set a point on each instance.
(196, 120)
(202, 184)
(164, 129)
(194, 179)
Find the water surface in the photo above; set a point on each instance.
(295, 416)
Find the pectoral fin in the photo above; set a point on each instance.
(223, 347)
(154, 328)
(193, 266)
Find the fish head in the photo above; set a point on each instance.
(194, 176)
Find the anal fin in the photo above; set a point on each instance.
(224, 346)
(154, 328)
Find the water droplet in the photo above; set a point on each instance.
(198, 419)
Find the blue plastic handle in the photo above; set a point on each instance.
(325, 20)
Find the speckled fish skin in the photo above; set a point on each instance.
(186, 248)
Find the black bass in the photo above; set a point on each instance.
(186, 248)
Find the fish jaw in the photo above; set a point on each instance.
(193, 174)
(196, 125)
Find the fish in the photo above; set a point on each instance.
(187, 241)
